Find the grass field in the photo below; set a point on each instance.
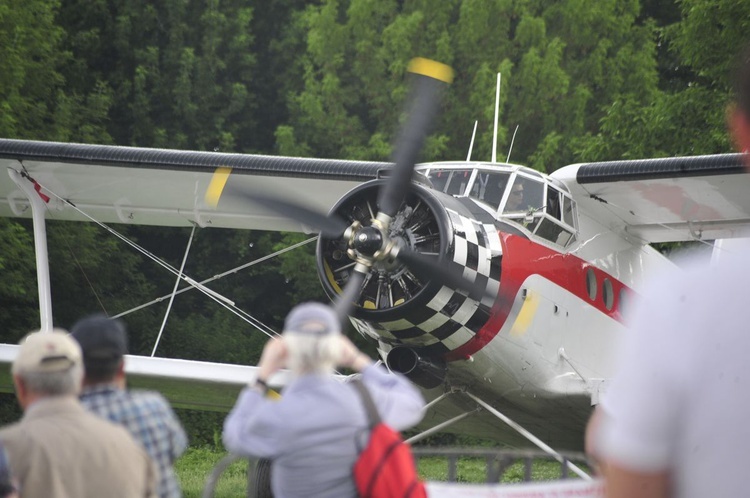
(195, 466)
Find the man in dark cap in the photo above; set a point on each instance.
(147, 415)
(311, 432)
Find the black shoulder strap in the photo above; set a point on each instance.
(372, 412)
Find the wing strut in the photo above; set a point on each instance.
(515, 426)
(538, 442)
(180, 275)
(38, 208)
(439, 427)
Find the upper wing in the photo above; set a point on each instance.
(661, 200)
(167, 187)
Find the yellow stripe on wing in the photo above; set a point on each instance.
(216, 187)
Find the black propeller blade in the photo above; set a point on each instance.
(348, 298)
(371, 242)
(330, 226)
(430, 77)
(451, 275)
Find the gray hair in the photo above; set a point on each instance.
(67, 382)
(308, 353)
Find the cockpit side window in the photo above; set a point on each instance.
(568, 211)
(553, 203)
(450, 181)
(525, 196)
(489, 187)
(557, 224)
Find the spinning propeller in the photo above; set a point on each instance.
(368, 245)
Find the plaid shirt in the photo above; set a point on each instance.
(7, 483)
(149, 418)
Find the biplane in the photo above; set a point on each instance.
(499, 290)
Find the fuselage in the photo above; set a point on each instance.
(544, 347)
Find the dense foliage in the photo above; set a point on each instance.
(583, 80)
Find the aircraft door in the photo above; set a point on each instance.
(548, 332)
(538, 326)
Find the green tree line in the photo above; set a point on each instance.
(582, 80)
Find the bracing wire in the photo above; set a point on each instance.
(226, 303)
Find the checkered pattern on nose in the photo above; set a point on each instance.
(450, 318)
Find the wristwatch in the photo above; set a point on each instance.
(260, 385)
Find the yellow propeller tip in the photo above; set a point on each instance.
(216, 187)
(433, 69)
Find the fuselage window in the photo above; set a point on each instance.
(591, 283)
(608, 294)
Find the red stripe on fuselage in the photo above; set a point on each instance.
(523, 258)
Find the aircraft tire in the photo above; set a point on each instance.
(259, 479)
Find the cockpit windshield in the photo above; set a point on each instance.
(489, 187)
(537, 203)
(451, 181)
(525, 196)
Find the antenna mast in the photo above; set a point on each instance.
(511, 144)
(471, 145)
(497, 110)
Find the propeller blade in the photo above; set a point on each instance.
(346, 300)
(430, 77)
(428, 268)
(328, 225)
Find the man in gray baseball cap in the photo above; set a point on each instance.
(310, 433)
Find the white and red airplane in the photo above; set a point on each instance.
(498, 303)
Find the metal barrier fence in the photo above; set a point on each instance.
(497, 462)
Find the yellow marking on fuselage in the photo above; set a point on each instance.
(433, 69)
(216, 187)
(525, 315)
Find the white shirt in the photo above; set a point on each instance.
(681, 399)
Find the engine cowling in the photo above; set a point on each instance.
(396, 307)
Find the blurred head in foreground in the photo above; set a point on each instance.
(312, 335)
(47, 364)
(738, 116)
(104, 343)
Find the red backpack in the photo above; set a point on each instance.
(385, 467)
